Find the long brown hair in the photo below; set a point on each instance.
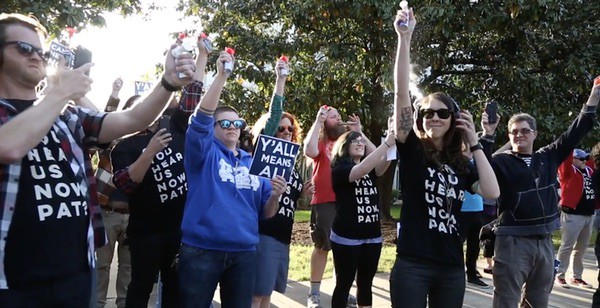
(259, 126)
(451, 153)
(341, 148)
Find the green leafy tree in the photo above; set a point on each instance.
(55, 15)
(538, 57)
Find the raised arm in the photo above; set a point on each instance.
(126, 179)
(311, 142)
(487, 186)
(191, 94)
(24, 131)
(139, 117)
(403, 116)
(276, 106)
(210, 100)
(113, 99)
(372, 160)
(355, 125)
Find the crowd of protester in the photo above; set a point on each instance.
(173, 191)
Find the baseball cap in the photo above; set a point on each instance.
(580, 154)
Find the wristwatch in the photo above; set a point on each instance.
(476, 147)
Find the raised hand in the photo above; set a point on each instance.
(488, 128)
(184, 63)
(403, 16)
(354, 123)
(71, 84)
(159, 141)
(117, 84)
(224, 57)
(278, 67)
(465, 124)
(322, 115)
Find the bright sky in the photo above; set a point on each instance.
(128, 48)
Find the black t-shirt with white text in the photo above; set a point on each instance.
(51, 218)
(587, 203)
(432, 199)
(280, 225)
(357, 204)
(156, 205)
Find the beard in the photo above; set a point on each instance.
(334, 132)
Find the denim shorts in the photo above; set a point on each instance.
(273, 260)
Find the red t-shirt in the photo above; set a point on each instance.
(322, 174)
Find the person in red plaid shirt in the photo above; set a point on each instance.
(149, 169)
(51, 221)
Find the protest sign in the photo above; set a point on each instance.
(141, 87)
(274, 156)
(57, 51)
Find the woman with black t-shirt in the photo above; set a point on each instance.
(429, 263)
(356, 230)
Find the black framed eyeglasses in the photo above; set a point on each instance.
(441, 113)
(282, 129)
(522, 131)
(238, 124)
(26, 49)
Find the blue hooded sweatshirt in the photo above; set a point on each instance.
(224, 201)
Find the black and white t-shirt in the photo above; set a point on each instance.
(156, 204)
(587, 203)
(432, 199)
(357, 204)
(50, 200)
(280, 225)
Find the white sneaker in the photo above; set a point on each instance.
(351, 301)
(313, 301)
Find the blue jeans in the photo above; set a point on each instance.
(412, 282)
(200, 271)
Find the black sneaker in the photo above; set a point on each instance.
(478, 283)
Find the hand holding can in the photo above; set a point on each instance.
(228, 66)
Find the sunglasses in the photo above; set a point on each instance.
(523, 131)
(441, 113)
(238, 124)
(282, 129)
(358, 141)
(26, 49)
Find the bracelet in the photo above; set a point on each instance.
(476, 147)
(389, 146)
(169, 87)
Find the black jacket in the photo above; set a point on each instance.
(528, 195)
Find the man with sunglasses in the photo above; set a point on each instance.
(51, 221)
(577, 204)
(524, 253)
(223, 207)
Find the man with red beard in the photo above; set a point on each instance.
(319, 141)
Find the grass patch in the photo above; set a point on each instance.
(300, 262)
(304, 215)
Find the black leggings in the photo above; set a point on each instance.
(349, 261)
(149, 255)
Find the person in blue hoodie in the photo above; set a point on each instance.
(223, 207)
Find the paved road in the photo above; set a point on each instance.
(295, 295)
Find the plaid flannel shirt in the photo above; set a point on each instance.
(190, 98)
(80, 128)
